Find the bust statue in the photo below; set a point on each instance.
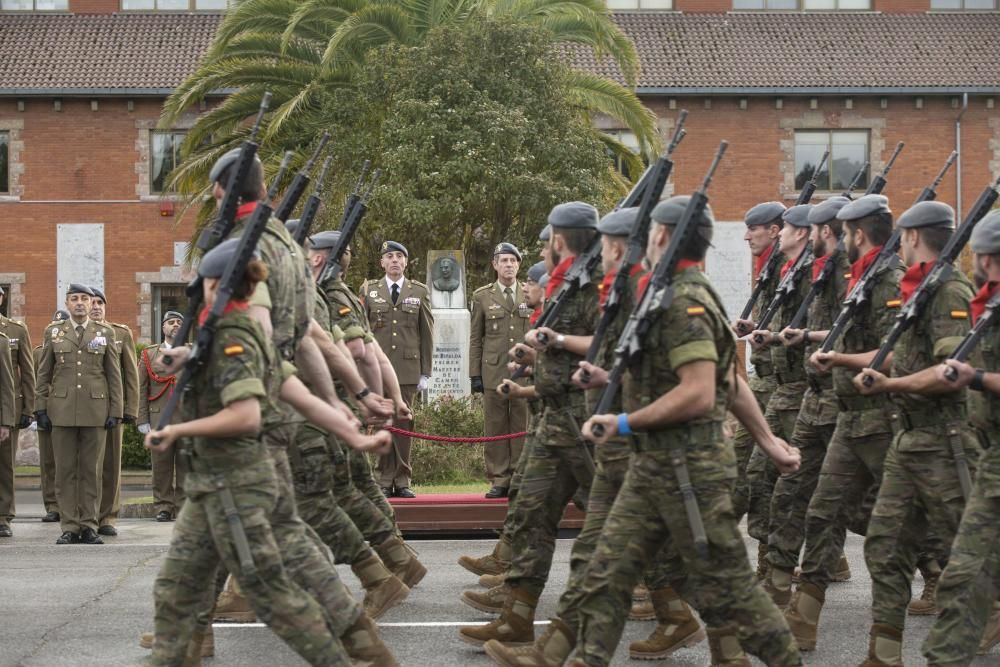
(446, 283)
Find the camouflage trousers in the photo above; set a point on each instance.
(920, 489)
(967, 589)
(356, 493)
(555, 469)
(202, 539)
(647, 515)
(744, 445)
(762, 474)
(848, 479)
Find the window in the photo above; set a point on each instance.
(963, 4)
(166, 297)
(173, 5)
(640, 4)
(164, 155)
(4, 163)
(807, 5)
(34, 5)
(848, 153)
(630, 142)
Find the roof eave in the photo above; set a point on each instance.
(818, 90)
(99, 92)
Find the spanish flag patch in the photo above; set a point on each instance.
(232, 349)
(894, 303)
(695, 310)
(959, 314)
(343, 310)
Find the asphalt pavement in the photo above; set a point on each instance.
(87, 605)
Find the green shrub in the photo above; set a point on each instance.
(442, 462)
(134, 455)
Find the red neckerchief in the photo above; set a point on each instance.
(978, 304)
(245, 209)
(759, 263)
(230, 307)
(818, 265)
(609, 280)
(557, 276)
(786, 267)
(859, 267)
(682, 265)
(535, 315)
(912, 279)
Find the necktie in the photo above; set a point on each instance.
(509, 298)
(395, 293)
(79, 333)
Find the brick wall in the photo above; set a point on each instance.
(94, 6)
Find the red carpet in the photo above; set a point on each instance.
(449, 499)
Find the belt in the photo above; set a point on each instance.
(860, 403)
(789, 378)
(938, 418)
(764, 371)
(659, 441)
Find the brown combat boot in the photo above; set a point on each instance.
(401, 561)
(676, 628)
(491, 602)
(549, 650)
(803, 613)
(885, 646)
(495, 563)
(778, 585)
(492, 580)
(991, 635)
(207, 643)
(202, 644)
(762, 563)
(724, 647)
(383, 590)
(231, 606)
(515, 626)
(926, 604)
(363, 645)
(642, 605)
(842, 572)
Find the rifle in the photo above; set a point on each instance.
(856, 180)
(972, 338)
(311, 207)
(349, 226)
(878, 183)
(774, 259)
(352, 199)
(300, 183)
(657, 297)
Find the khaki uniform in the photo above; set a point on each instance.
(8, 390)
(111, 487)
(497, 324)
(46, 459)
(80, 388)
(23, 367)
(405, 330)
(154, 392)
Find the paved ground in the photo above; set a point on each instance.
(83, 605)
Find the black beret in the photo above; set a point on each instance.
(797, 216)
(864, 206)
(220, 165)
(60, 316)
(826, 211)
(619, 223)
(927, 214)
(77, 288)
(986, 234)
(507, 249)
(99, 294)
(393, 246)
(213, 263)
(574, 215)
(324, 240)
(171, 315)
(536, 272)
(768, 213)
(669, 212)
(546, 233)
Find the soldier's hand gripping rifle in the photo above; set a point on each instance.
(349, 227)
(299, 184)
(968, 344)
(311, 207)
(657, 297)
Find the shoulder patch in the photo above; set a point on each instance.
(233, 349)
(893, 303)
(343, 310)
(695, 310)
(959, 314)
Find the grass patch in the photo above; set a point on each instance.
(27, 470)
(472, 487)
(138, 501)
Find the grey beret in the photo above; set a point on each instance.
(768, 213)
(546, 233)
(77, 288)
(927, 214)
(986, 235)
(60, 316)
(536, 272)
(171, 315)
(99, 294)
(669, 212)
(544, 281)
(797, 216)
(220, 165)
(824, 212)
(507, 249)
(574, 215)
(292, 225)
(863, 207)
(619, 223)
(213, 263)
(324, 240)
(393, 246)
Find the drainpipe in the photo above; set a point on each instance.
(958, 149)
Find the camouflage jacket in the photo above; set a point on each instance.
(819, 405)
(761, 359)
(788, 362)
(346, 310)
(984, 406)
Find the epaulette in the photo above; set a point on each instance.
(419, 284)
(484, 288)
(120, 326)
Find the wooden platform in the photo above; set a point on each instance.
(461, 513)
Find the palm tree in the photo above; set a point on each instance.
(301, 51)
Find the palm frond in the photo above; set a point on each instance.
(596, 94)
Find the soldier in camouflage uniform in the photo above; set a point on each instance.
(676, 400)
(920, 483)
(966, 592)
(853, 462)
(558, 462)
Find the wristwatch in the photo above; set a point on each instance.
(560, 341)
(361, 394)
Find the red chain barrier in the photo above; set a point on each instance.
(455, 439)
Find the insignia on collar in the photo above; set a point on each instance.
(233, 349)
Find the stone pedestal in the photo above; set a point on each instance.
(450, 366)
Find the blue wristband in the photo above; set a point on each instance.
(623, 428)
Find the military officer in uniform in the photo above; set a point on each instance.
(112, 467)
(154, 392)
(8, 418)
(46, 459)
(78, 396)
(500, 317)
(23, 367)
(399, 312)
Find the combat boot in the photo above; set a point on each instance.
(991, 635)
(842, 572)
(492, 580)
(383, 590)
(778, 585)
(231, 606)
(724, 647)
(676, 628)
(803, 613)
(885, 646)
(515, 626)
(762, 563)
(642, 606)
(491, 602)
(926, 604)
(202, 644)
(401, 561)
(495, 563)
(362, 643)
(549, 650)
(207, 643)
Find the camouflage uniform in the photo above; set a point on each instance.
(920, 486)
(648, 512)
(241, 366)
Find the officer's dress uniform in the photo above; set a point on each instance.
(23, 366)
(154, 393)
(46, 458)
(111, 487)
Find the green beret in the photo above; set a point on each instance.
(324, 240)
(825, 212)
(214, 262)
(507, 249)
(393, 246)
(77, 288)
(669, 212)
(220, 165)
(99, 294)
(927, 214)
(986, 235)
(768, 213)
(171, 315)
(797, 216)
(864, 206)
(619, 223)
(536, 272)
(574, 215)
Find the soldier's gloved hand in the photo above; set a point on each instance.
(144, 428)
(128, 419)
(110, 423)
(43, 421)
(477, 385)
(24, 421)
(422, 383)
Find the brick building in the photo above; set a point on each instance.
(82, 81)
